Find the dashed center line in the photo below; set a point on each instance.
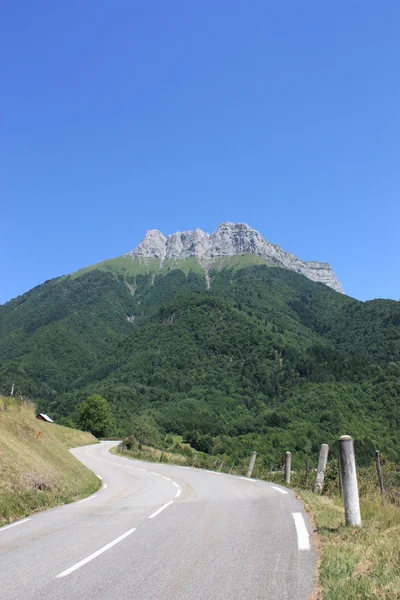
(178, 493)
(160, 509)
(95, 554)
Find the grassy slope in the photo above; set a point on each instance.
(357, 563)
(145, 266)
(37, 471)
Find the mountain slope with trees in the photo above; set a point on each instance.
(263, 360)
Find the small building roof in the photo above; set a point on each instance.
(45, 418)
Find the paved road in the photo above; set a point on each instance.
(161, 532)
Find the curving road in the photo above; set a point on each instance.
(161, 532)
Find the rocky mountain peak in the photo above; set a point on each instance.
(229, 239)
(153, 244)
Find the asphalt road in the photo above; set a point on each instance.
(161, 532)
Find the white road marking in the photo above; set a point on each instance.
(104, 486)
(95, 554)
(14, 524)
(167, 478)
(175, 484)
(247, 478)
(303, 539)
(86, 499)
(274, 487)
(178, 493)
(100, 477)
(139, 469)
(160, 509)
(153, 473)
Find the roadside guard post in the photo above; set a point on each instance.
(349, 482)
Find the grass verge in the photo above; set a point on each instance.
(149, 454)
(357, 563)
(36, 469)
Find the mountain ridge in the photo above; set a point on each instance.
(230, 239)
(263, 359)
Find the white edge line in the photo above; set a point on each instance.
(178, 493)
(95, 554)
(167, 478)
(14, 524)
(303, 539)
(160, 509)
(153, 473)
(274, 487)
(247, 478)
(100, 477)
(175, 484)
(86, 499)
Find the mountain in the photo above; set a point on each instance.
(229, 240)
(231, 351)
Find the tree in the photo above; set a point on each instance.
(94, 415)
(145, 430)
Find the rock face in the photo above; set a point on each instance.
(230, 239)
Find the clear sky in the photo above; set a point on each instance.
(121, 116)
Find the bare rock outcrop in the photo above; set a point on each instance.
(230, 239)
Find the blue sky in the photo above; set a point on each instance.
(118, 117)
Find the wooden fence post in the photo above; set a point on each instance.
(379, 472)
(307, 470)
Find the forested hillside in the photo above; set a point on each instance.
(263, 360)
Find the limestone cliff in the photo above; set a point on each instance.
(230, 239)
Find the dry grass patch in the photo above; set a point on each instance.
(37, 471)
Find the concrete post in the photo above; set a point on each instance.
(319, 479)
(380, 478)
(252, 463)
(349, 482)
(288, 466)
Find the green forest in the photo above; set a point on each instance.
(264, 360)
